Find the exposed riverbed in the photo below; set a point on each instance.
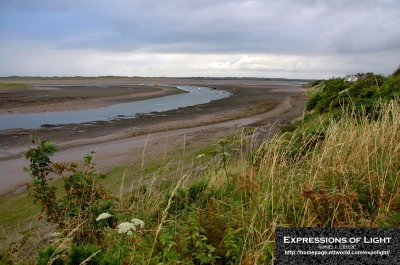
(195, 96)
(264, 104)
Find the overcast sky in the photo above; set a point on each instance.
(215, 38)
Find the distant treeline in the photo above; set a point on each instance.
(249, 78)
(135, 77)
(66, 77)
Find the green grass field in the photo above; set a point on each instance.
(13, 86)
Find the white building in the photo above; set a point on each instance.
(350, 78)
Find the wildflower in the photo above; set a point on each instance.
(223, 142)
(137, 222)
(126, 228)
(55, 234)
(103, 216)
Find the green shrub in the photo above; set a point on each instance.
(48, 254)
(196, 191)
(396, 73)
(5, 258)
(83, 197)
(78, 254)
(313, 101)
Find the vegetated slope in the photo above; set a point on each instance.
(338, 166)
(330, 95)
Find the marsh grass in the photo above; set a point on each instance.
(348, 179)
(13, 86)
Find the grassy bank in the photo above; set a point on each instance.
(13, 86)
(337, 166)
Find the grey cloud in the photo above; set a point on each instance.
(210, 26)
(290, 27)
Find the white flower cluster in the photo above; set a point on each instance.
(126, 228)
(103, 216)
(129, 227)
(55, 234)
(138, 222)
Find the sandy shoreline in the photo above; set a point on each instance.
(121, 140)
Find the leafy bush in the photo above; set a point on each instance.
(92, 254)
(5, 258)
(396, 73)
(83, 197)
(47, 255)
(76, 255)
(313, 101)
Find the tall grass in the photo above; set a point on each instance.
(347, 178)
(350, 178)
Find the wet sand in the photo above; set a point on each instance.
(265, 104)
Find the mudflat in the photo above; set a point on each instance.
(253, 102)
(63, 97)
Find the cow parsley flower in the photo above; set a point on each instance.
(55, 234)
(137, 222)
(103, 216)
(129, 227)
(126, 228)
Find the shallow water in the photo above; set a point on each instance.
(125, 110)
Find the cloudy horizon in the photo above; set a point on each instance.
(307, 39)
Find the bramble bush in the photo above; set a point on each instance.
(82, 199)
